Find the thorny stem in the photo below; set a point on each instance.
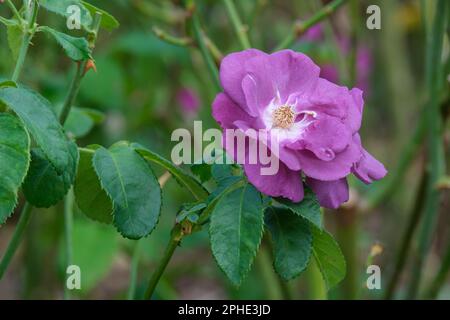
(81, 70)
(435, 146)
(300, 27)
(239, 28)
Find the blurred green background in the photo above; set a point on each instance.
(138, 84)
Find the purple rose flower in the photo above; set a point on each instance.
(188, 100)
(315, 123)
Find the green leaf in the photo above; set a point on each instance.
(60, 7)
(39, 118)
(197, 190)
(95, 247)
(90, 198)
(8, 83)
(329, 257)
(236, 229)
(81, 121)
(14, 160)
(44, 187)
(202, 170)
(133, 188)
(292, 241)
(108, 21)
(75, 48)
(308, 208)
(15, 36)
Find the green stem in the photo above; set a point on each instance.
(175, 240)
(26, 39)
(68, 228)
(435, 147)
(165, 36)
(16, 239)
(347, 229)
(14, 10)
(355, 17)
(240, 29)
(134, 270)
(439, 280)
(209, 60)
(407, 239)
(80, 72)
(300, 28)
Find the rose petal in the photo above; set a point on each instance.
(232, 71)
(331, 194)
(286, 183)
(335, 169)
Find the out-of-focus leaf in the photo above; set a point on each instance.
(104, 88)
(108, 21)
(236, 229)
(329, 257)
(44, 187)
(14, 161)
(133, 188)
(94, 248)
(75, 48)
(81, 121)
(60, 7)
(90, 198)
(292, 241)
(15, 35)
(39, 118)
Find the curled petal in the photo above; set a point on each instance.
(232, 72)
(335, 169)
(331, 194)
(285, 183)
(367, 169)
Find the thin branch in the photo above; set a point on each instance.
(300, 27)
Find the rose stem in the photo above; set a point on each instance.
(209, 60)
(239, 28)
(175, 239)
(137, 249)
(435, 146)
(68, 103)
(439, 280)
(300, 28)
(26, 211)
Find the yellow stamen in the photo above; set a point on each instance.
(283, 117)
